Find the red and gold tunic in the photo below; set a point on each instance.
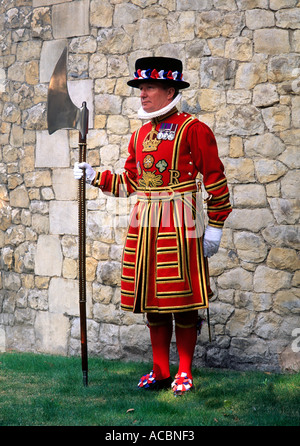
(163, 267)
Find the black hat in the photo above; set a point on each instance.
(163, 69)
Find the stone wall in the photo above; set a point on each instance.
(241, 58)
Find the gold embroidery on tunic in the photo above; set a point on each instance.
(149, 179)
(151, 143)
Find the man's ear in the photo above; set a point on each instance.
(171, 92)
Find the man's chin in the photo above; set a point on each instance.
(147, 109)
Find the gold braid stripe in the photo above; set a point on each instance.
(97, 179)
(217, 185)
(215, 224)
(178, 141)
(219, 198)
(219, 208)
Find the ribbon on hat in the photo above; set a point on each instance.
(154, 74)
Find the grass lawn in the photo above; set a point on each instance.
(42, 390)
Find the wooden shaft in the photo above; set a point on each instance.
(82, 261)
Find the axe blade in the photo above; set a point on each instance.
(61, 112)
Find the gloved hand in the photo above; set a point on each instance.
(90, 173)
(211, 240)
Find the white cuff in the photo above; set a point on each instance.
(213, 234)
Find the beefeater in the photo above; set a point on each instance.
(164, 266)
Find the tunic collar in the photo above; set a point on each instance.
(165, 116)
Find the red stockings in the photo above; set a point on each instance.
(161, 333)
(186, 338)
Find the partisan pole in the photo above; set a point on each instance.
(82, 254)
(62, 113)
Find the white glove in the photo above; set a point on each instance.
(89, 172)
(211, 240)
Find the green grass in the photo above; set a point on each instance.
(42, 390)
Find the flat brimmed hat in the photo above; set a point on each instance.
(163, 69)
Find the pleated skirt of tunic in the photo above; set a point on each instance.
(163, 266)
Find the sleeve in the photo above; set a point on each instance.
(120, 185)
(205, 156)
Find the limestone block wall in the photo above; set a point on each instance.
(242, 60)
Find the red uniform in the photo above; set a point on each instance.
(163, 267)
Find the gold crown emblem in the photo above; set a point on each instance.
(151, 142)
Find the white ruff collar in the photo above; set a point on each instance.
(144, 115)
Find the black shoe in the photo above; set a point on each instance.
(149, 382)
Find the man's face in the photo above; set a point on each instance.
(154, 96)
